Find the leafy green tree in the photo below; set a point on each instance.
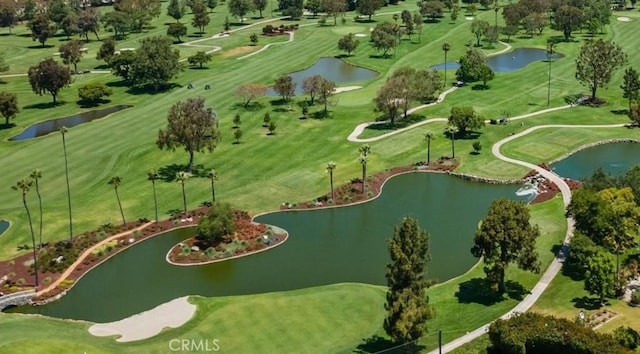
(330, 167)
(315, 6)
(582, 249)
(250, 91)
(240, 8)
(69, 25)
(175, 9)
(3, 64)
(23, 186)
(389, 98)
(253, 38)
(479, 29)
(177, 30)
(237, 135)
(505, 236)
(428, 137)
(30, 10)
(485, 74)
(71, 53)
(153, 176)
(311, 86)
(477, 146)
(63, 132)
(89, 22)
(122, 65)
(118, 21)
(598, 13)
(50, 77)
(417, 20)
(182, 177)
(200, 15)
(509, 30)
(364, 151)
(35, 176)
(216, 225)
(384, 37)
(431, 9)
(631, 86)
(600, 278)
(213, 176)
(8, 106)
(57, 10)
(466, 119)
(634, 114)
(285, 87)
(41, 28)
(272, 128)
(348, 43)
(446, 47)
(156, 62)
(93, 93)
(115, 182)
(266, 119)
(334, 8)
(596, 62)
(472, 67)
(236, 120)
(190, 125)
(589, 211)
(452, 130)
(407, 305)
(627, 336)
(200, 58)
(405, 16)
(139, 12)
(260, 5)
(368, 7)
(211, 4)
(454, 13)
(568, 19)
(425, 84)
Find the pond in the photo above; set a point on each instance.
(507, 62)
(615, 158)
(332, 69)
(53, 125)
(4, 225)
(325, 247)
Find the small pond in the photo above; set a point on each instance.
(332, 69)
(53, 125)
(4, 225)
(507, 62)
(615, 158)
(325, 247)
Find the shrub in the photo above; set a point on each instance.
(176, 222)
(217, 224)
(109, 248)
(329, 201)
(20, 282)
(93, 93)
(627, 337)
(101, 235)
(268, 29)
(635, 298)
(136, 233)
(143, 220)
(100, 253)
(46, 281)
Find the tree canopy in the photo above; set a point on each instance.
(155, 63)
(50, 77)
(216, 225)
(285, 87)
(596, 63)
(8, 106)
(465, 118)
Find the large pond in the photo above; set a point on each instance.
(507, 62)
(614, 158)
(4, 225)
(49, 126)
(332, 69)
(325, 247)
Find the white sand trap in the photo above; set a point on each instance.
(126, 49)
(469, 18)
(624, 19)
(370, 29)
(346, 88)
(147, 324)
(360, 35)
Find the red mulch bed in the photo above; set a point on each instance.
(246, 230)
(351, 192)
(548, 189)
(17, 268)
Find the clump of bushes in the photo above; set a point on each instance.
(216, 225)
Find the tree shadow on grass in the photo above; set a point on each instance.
(91, 104)
(44, 105)
(399, 123)
(3, 125)
(278, 102)
(373, 344)
(168, 173)
(478, 291)
(620, 112)
(480, 87)
(586, 302)
(150, 90)
(39, 46)
(252, 107)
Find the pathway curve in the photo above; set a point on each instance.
(556, 264)
(172, 314)
(84, 255)
(291, 37)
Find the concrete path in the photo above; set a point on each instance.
(556, 264)
(85, 254)
(172, 314)
(291, 37)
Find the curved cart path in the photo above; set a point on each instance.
(291, 37)
(556, 264)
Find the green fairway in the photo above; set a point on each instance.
(262, 171)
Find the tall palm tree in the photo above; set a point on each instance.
(364, 158)
(35, 176)
(182, 177)
(446, 47)
(115, 182)
(63, 131)
(213, 176)
(23, 186)
(330, 167)
(152, 176)
(452, 130)
(428, 136)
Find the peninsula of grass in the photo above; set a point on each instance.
(263, 171)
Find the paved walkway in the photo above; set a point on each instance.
(172, 314)
(556, 264)
(291, 37)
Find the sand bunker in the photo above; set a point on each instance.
(346, 88)
(360, 35)
(624, 19)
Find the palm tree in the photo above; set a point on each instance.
(452, 130)
(24, 186)
(364, 158)
(330, 167)
(35, 176)
(182, 177)
(115, 182)
(213, 176)
(152, 176)
(63, 131)
(446, 47)
(428, 136)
